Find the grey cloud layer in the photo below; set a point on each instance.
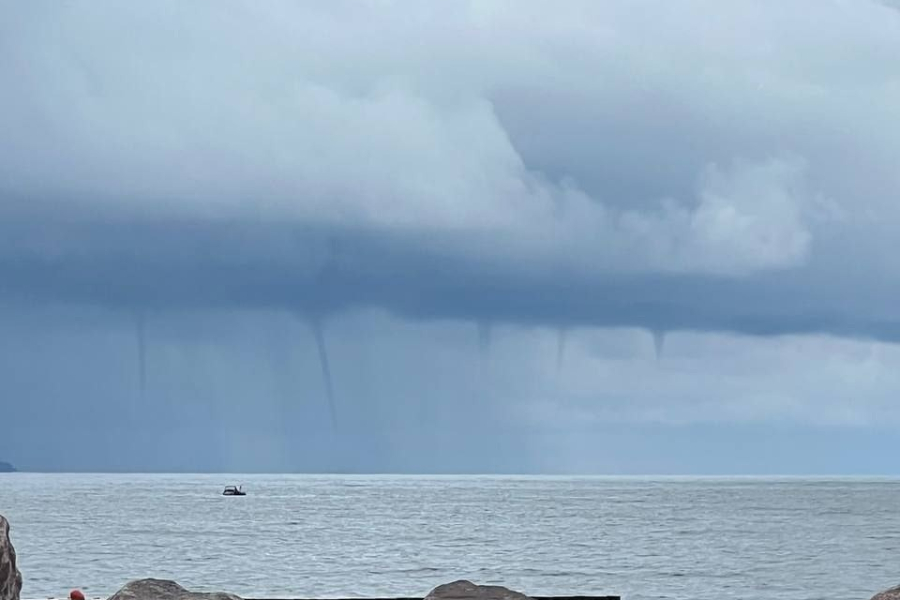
(694, 167)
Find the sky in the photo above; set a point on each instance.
(620, 237)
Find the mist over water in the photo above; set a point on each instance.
(329, 536)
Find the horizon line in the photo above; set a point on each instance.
(458, 474)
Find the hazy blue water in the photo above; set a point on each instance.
(329, 536)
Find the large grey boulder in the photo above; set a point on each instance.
(466, 590)
(161, 589)
(891, 594)
(10, 578)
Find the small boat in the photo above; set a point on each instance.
(233, 490)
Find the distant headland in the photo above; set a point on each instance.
(5, 467)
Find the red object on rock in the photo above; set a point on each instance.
(76, 595)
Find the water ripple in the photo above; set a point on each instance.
(296, 536)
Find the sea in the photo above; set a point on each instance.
(300, 536)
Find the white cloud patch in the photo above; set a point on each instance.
(749, 217)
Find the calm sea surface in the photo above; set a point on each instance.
(305, 536)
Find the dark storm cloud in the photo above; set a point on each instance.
(713, 168)
(135, 266)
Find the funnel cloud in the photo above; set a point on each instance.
(659, 342)
(560, 348)
(318, 332)
(140, 334)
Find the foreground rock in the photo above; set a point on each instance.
(161, 589)
(466, 590)
(10, 578)
(891, 594)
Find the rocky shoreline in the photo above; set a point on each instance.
(10, 577)
(160, 589)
